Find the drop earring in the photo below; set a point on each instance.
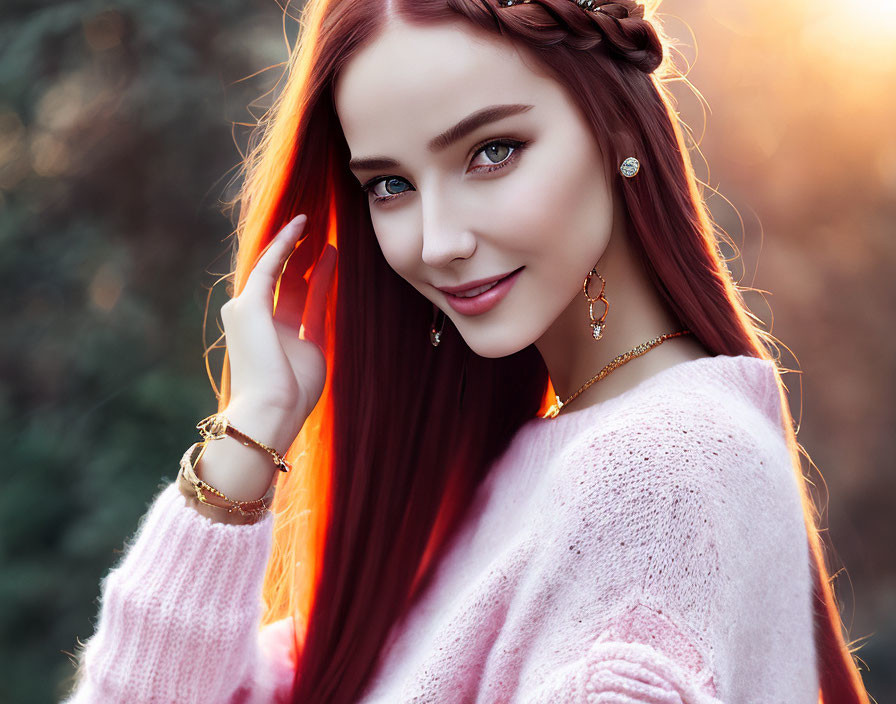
(435, 334)
(597, 326)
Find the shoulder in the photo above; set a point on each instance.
(688, 430)
(677, 513)
(689, 468)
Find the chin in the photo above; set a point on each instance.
(493, 343)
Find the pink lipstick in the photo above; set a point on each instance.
(485, 301)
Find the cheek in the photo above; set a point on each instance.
(568, 209)
(398, 248)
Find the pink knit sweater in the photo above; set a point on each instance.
(649, 548)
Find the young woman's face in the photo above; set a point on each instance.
(527, 191)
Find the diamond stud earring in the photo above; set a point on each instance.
(629, 167)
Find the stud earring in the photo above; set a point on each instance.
(629, 167)
(597, 326)
(435, 335)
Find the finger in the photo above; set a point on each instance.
(291, 296)
(266, 271)
(314, 316)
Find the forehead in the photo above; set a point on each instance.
(411, 82)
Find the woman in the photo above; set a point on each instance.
(440, 534)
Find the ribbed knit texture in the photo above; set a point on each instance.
(647, 549)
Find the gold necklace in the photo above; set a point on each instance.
(618, 361)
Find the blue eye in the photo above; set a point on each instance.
(515, 146)
(388, 180)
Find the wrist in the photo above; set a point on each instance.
(265, 423)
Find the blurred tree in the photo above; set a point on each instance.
(115, 145)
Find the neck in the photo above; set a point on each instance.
(636, 315)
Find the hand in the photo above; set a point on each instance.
(271, 363)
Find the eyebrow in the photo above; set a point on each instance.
(471, 122)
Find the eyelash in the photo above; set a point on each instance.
(517, 145)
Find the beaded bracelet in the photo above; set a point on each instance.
(210, 502)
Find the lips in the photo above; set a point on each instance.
(485, 301)
(469, 293)
(465, 289)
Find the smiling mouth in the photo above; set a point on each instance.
(478, 290)
(484, 301)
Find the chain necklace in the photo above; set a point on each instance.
(618, 361)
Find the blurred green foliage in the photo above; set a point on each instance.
(115, 148)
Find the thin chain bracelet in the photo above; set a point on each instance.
(217, 425)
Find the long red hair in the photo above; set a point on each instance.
(404, 432)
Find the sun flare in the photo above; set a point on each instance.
(863, 35)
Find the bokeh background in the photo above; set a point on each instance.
(121, 123)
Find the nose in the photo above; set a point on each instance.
(445, 234)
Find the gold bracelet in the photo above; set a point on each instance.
(217, 425)
(223, 509)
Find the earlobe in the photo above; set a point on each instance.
(623, 147)
(629, 167)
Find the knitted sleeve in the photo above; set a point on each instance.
(642, 658)
(179, 616)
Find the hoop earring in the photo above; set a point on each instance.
(435, 335)
(597, 326)
(629, 167)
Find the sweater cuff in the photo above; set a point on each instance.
(179, 615)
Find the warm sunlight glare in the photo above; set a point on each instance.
(861, 35)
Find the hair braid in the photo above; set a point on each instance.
(619, 27)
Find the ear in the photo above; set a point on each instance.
(622, 146)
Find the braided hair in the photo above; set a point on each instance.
(617, 27)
